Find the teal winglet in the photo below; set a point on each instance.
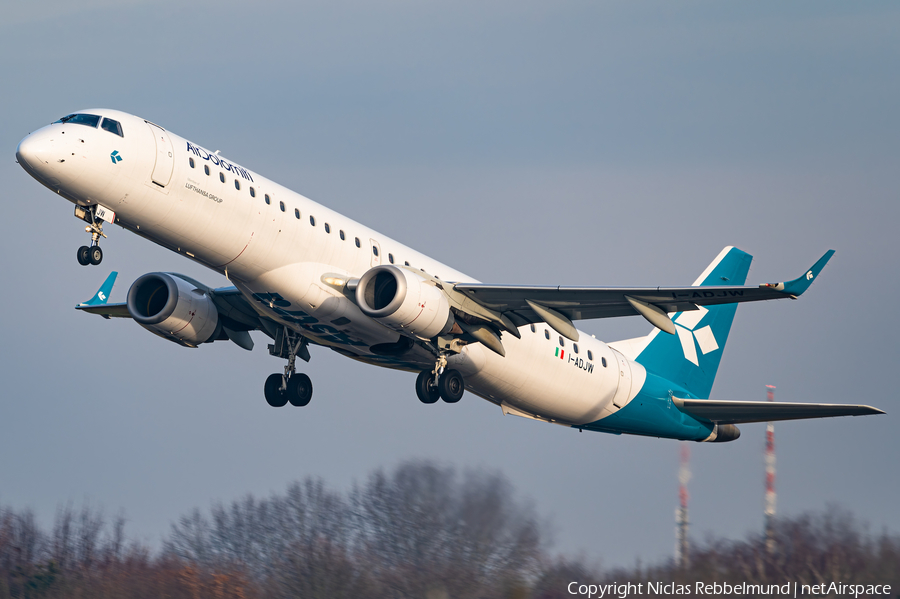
(102, 296)
(799, 285)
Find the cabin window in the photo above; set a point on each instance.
(391, 258)
(546, 333)
(327, 228)
(312, 220)
(297, 213)
(406, 262)
(590, 355)
(375, 249)
(357, 242)
(91, 120)
(575, 347)
(114, 127)
(206, 169)
(222, 177)
(562, 342)
(268, 199)
(237, 184)
(533, 329)
(191, 162)
(252, 193)
(603, 361)
(281, 205)
(342, 235)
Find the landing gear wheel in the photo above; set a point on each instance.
(84, 255)
(299, 390)
(451, 386)
(96, 255)
(425, 387)
(275, 397)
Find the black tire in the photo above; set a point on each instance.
(451, 386)
(425, 388)
(275, 397)
(299, 390)
(96, 255)
(84, 255)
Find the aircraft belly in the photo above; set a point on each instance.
(294, 295)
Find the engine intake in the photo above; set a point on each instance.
(173, 308)
(404, 301)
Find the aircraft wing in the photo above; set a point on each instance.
(736, 412)
(106, 310)
(524, 305)
(229, 301)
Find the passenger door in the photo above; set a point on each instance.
(165, 156)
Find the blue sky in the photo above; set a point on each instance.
(578, 143)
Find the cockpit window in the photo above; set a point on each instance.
(112, 126)
(91, 120)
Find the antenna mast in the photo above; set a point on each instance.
(682, 555)
(770, 477)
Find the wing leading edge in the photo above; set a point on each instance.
(737, 412)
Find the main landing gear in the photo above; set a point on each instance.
(291, 387)
(90, 254)
(440, 383)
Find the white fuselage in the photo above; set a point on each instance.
(278, 252)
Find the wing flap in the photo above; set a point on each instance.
(737, 412)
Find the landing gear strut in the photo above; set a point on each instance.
(91, 254)
(294, 387)
(440, 383)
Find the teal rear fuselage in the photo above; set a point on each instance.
(652, 413)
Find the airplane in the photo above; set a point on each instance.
(305, 275)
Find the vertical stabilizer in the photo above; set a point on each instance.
(691, 357)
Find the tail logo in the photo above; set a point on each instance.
(691, 337)
(809, 276)
(101, 296)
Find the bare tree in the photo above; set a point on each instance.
(425, 529)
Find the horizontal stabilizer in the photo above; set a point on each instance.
(736, 412)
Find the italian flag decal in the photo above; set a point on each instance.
(560, 353)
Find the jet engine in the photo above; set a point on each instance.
(173, 308)
(403, 301)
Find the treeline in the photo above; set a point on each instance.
(421, 531)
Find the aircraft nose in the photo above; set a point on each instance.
(33, 153)
(28, 154)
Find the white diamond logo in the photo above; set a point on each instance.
(686, 325)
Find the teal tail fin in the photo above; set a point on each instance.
(102, 295)
(691, 357)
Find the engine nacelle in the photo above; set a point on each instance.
(173, 308)
(404, 301)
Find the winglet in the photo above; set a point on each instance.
(102, 296)
(801, 284)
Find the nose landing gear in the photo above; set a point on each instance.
(294, 387)
(94, 216)
(90, 255)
